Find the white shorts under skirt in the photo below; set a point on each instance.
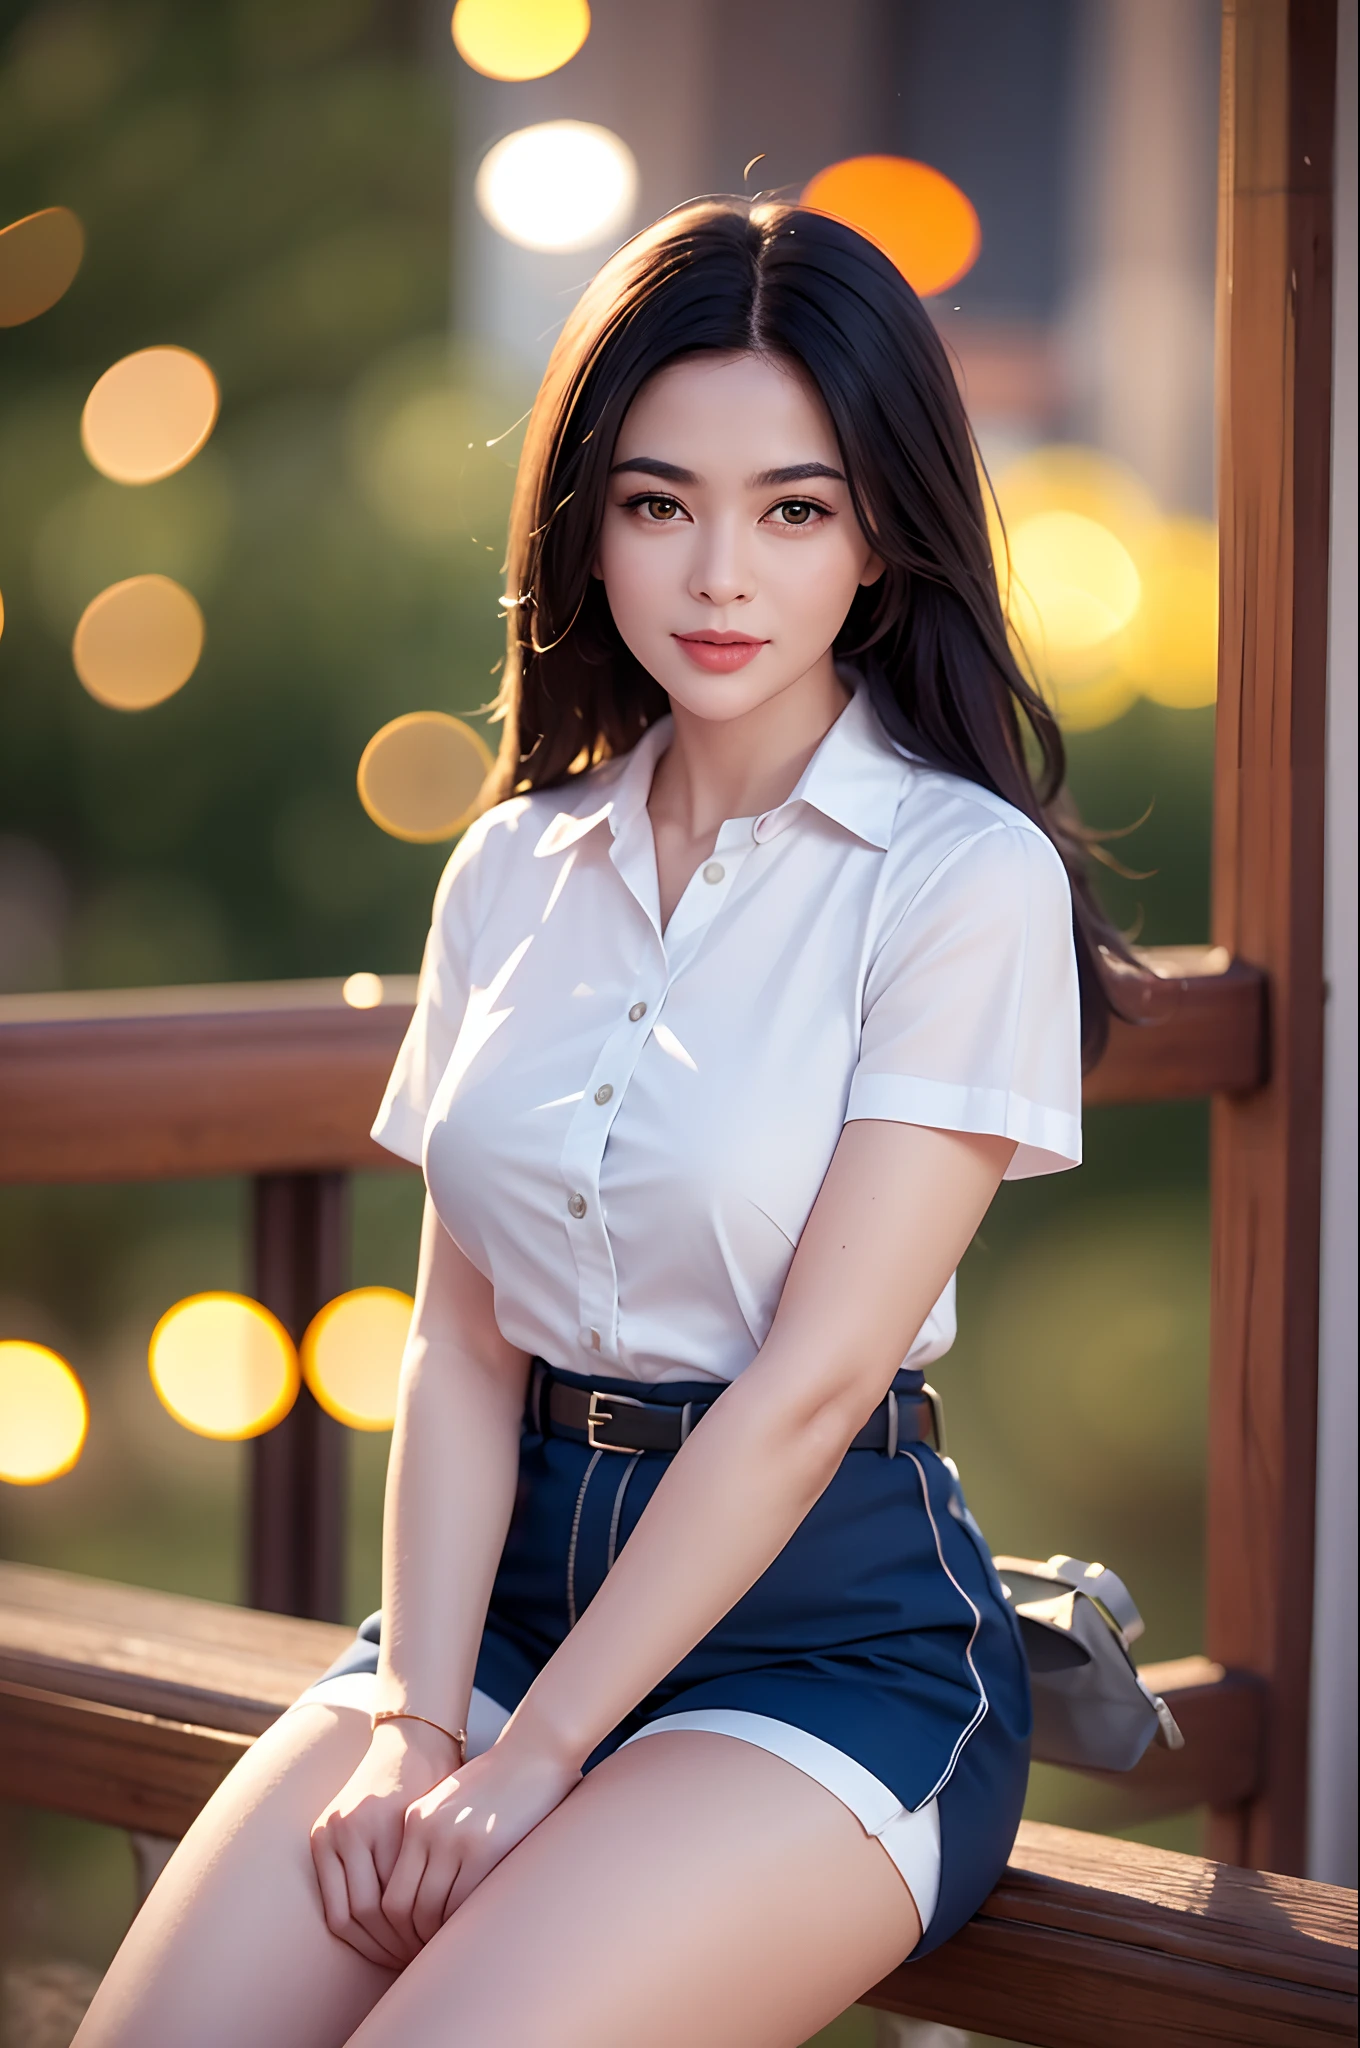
(911, 1839)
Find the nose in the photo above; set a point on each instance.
(720, 575)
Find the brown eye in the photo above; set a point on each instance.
(662, 508)
(796, 512)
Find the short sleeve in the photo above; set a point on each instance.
(971, 1017)
(441, 1000)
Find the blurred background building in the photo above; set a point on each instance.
(301, 192)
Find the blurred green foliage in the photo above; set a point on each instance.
(266, 181)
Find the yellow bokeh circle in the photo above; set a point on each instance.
(44, 1415)
(1077, 577)
(39, 257)
(352, 1352)
(918, 217)
(1172, 653)
(138, 642)
(149, 414)
(420, 776)
(223, 1365)
(518, 39)
(362, 991)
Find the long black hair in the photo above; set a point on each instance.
(929, 636)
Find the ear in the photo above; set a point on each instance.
(871, 571)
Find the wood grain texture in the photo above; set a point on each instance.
(1275, 341)
(160, 1084)
(1088, 1939)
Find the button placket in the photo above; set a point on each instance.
(580, 1164)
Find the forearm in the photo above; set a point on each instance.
(725, 1508)
(450, 1491)
(734, 1495)
(450, 1485)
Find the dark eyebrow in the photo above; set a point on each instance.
(798, 473)
(650, 465)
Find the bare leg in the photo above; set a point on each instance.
(231, 1945)
(691, 1889)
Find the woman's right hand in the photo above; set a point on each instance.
(357, 1838)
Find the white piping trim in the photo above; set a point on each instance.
(628, 1472)
(571, 1546)
(982, 1706)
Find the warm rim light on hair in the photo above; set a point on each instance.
(39, 257)
(149, 414)
(44, 1415)
(138, 642)
(352, 1352)
(420, 775)
(223, 1365)
(518, 39)
(918, 217)
(561, 185)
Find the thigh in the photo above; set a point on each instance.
(231, 1945)
(692, 1889)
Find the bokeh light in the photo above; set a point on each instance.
(44, 1415)
(39, 257)
(1172, 653)
(352, 1352)
(363, 991)
(1080, 579)
(431, 441)
(560, 185)
(149, 414)
(223, 1366)
(419, 776)
(917, 216)
(138, 642)
(517, 39)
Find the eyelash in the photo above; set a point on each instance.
(820, 512)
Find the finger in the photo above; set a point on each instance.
(399, 1892)
(430, 1909)
(365, 1901)
(330, 1876)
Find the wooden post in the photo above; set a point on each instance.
(1275, 348)
(295, 1562)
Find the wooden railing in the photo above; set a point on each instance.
(130, 1707)
(280, 1082)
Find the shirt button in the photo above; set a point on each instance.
(715, 871)
(576, 1206)
(604, 1094)
(637, 1013)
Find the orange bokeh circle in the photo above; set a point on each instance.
(918, 217)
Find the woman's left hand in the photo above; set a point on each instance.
(461, 1828)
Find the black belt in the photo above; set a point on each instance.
(619, 1422)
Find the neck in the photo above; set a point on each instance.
(716, 769)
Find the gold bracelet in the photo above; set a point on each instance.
(457, 1736)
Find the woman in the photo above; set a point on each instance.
(773, 960)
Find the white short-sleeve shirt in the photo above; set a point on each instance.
(626, 1130)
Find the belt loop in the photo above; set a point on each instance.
(686, 1420)
(892, 1423)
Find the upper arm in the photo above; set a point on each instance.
(455, 1308)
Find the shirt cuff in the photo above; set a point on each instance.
(1046, 1140)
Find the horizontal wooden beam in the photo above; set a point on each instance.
(129, 1706)
(1222, 1715)
(1091, 1939)
(283, 1077)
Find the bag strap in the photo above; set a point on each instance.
(1103, 1585)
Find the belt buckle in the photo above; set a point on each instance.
(597, 1418)
(936, 1418)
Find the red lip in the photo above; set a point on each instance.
(719, 653)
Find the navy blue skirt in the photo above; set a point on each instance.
(880, 1629)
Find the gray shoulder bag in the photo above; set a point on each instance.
(1077, 1620)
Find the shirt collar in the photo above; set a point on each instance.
(855, 778)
